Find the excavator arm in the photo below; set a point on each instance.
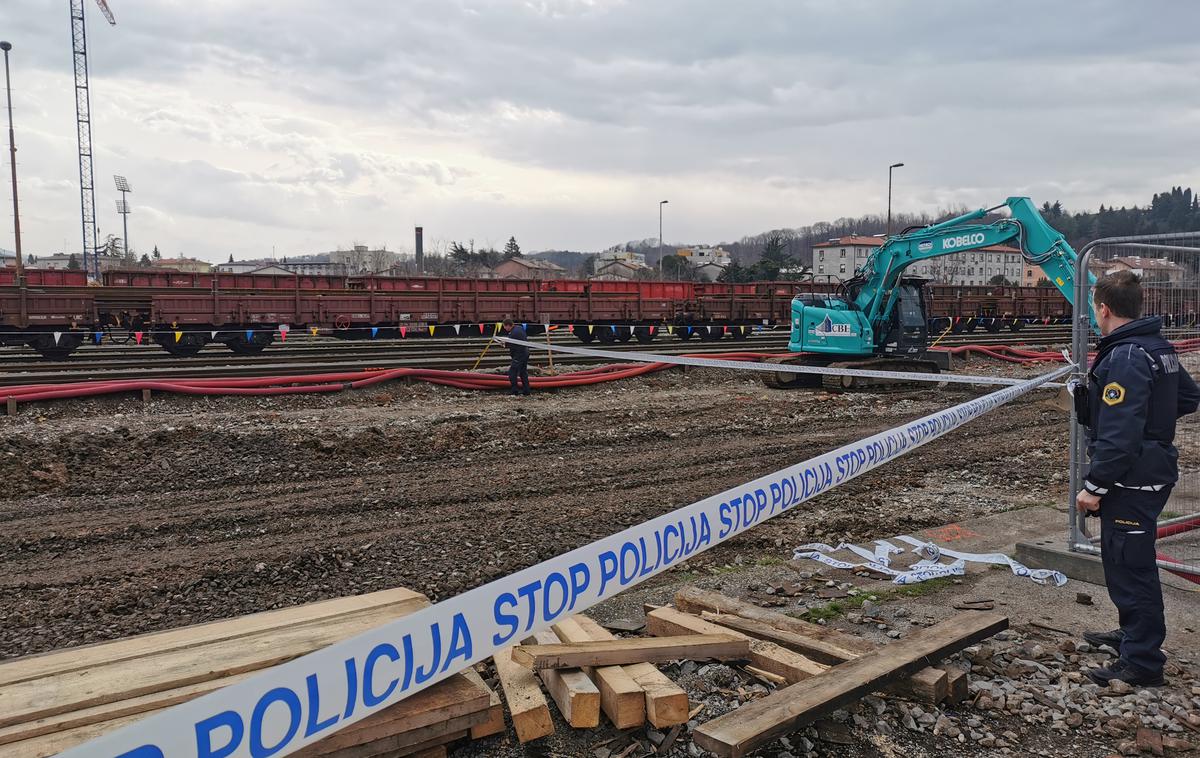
(859, 323)
(1039, 243)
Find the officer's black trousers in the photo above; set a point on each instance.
(1127, 537)
(519, 369)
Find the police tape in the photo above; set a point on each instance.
(773, 368)
(297, 703)
(928, 567)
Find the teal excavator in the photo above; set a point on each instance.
(877, 319)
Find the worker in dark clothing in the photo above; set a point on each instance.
(1136, 391)
(519, 355)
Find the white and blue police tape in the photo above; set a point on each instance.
(929, 567)
(299, 702)
(779, 368)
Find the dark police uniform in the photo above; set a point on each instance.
(1136, 391)
(518, 368)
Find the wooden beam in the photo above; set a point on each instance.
(761, 721)
(394, 603)
(764, 655)
(695, 600)
(926, 686)
(495, 710)
(577, 698)
(666, 702)
(821, 652)
(621, 698)
(619, 652)
(116, 681)
(956, 684)
(526, 704)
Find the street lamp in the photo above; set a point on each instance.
(12, 149)
(661, 203)
(889, 217)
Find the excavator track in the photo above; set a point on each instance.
(872, 384)
(788, 381)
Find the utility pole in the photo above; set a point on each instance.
(12, 150)
(889, 216)
(661, 203)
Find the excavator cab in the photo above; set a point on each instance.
(908, 333)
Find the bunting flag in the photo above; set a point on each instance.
(404, 331)
(313, 330)
(249, 335)
(726, 330)
(743, 330)
(481, 329)
(613, 327)
(137, 337)
(651, 330)
(547, 327)
(374, 331)
(57, 335)
(99, 336)
(689, 331)
(283, 332)
(456, 330)
(431, 327)
(213, 335)
(670, 328)
(497, 329)
(571, 328)
(590, 328)
(525, 326)
(178, 335)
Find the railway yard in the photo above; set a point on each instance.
(123, 515)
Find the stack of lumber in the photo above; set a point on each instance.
(54, 701)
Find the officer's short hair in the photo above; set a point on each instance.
(508, 321)
(1121, 291)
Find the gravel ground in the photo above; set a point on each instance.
(120, 518)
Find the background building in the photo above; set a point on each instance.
(186, 265)
(528, 268)
(708, 262)
(843, 256)
(1151, 270)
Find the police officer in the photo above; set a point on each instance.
(1136, 391)
(518, 367)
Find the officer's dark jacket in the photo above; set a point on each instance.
(1136, 391)
(518, 352)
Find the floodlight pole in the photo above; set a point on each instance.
(661, 203)
(888, 232)
(125, 221)
(12, 149)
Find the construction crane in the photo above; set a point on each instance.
(83, 124)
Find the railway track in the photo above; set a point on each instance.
(303, 355)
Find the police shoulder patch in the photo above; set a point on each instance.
(1113, 393)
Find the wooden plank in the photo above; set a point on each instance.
(142, 704)
(817, 650)
(619, 652)
(400, 742)
(526, 704)
(761, 721)
(110, 683)
(925, 686)
(451, 705)
(495, 710)
(764, 655)
(666, 702)
(621, 698)
(154, 643)
(695, 600)
(386, 747)
(576, 696)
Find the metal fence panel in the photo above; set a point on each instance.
(1169, 265)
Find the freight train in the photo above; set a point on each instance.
(56, 311)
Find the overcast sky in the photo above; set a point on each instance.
(305, 125)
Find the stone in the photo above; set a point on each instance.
(1175, 743)
(1119, 687)
(882, 727)
(1083, 598)
(1149, 740)
(1127, 747)
(909, 723)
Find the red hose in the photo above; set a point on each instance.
(335, 382)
